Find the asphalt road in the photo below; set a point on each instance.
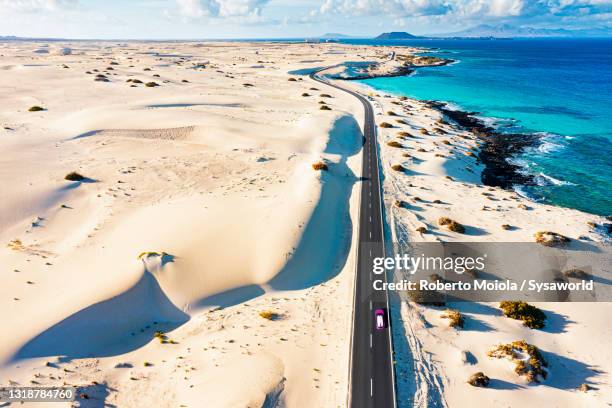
(372, 381)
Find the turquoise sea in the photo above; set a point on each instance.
(559, 87)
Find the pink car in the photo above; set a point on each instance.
(380, 319)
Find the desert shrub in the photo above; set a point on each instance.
(15, 245)
(292, 80)
(136, 81)
(403, 134)
(531, 366)
(151, 84)
(247, 85)
(446, 142)
(531, 316)
(74, 176)
(398, 167)
(391, 113)
(305, 94)
(506, 226)
(452, 225)
(269, 315)
(550, 239)
(478, 380)
(147, 254)
(422, 230)
(437, 201)
(393, 143)
(325, 107)
(423, 131)
(319, 166)
(185, 81)
(401, 122)
(398, 203)
(523, 207)
(455, 318)
(36, 109)
(421, 150)
(576, 273)
(470, 154)
(386, 125)
(326, 96)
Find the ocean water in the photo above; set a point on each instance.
(560, 87)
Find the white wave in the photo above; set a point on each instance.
(546, 180)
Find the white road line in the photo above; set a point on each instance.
(370, 234)
(370, 305)
(370, 340)
(370, 221)
(371, 387)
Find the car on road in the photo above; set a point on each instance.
(380, 319)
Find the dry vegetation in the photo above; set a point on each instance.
(454, 316)
(319, 166)
(452, 225)
(478, 380)
(531, 366)
(549, 238)
(36, 109)
(269, 315)
(531, 316)
(394, 144)
(386, 125)
(74, 176)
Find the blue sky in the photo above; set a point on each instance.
(195, 19)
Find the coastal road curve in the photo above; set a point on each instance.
(371, 372)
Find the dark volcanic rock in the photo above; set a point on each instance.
(495, 148)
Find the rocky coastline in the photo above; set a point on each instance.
(495, 148)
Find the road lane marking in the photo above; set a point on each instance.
(371, 387)
(370, 340)
(370, 234)
(370, 305)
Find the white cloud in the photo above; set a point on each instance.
(30, 6)
(401, 8)
(221, 8)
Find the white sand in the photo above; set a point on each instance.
(432, 364)
(215, 177)
(211, 174)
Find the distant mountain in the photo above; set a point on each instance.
(335, 36)
(396, 35)
(508, 31)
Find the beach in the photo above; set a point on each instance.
(198, 257)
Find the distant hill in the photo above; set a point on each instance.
(396, 35)
(508, 31)
(335, 36)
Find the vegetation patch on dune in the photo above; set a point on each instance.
(549, 238)
(386, 125)
(478, 379)
(147, 254)
(319, 166)
(531, 316)
(576, 274)
(452, 225)
(527, 359)
(269, 315)
(325, 107)
(393, 143)
(15, 245)
(74, 176)
(36, 108)
(454, 316)
(151, 84)
(398, 167)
